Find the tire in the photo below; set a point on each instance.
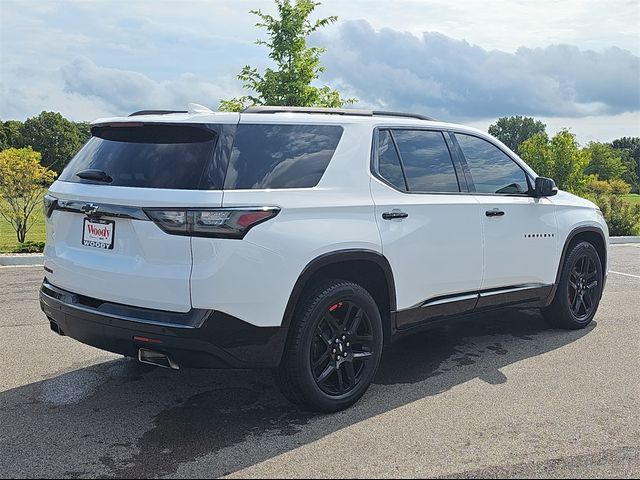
(334, 347)
(579, 290)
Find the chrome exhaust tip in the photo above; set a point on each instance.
(157, 359)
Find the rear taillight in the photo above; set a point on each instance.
(216, 223)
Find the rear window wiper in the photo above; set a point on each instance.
(96, 175)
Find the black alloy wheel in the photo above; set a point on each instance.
(579, 289)
(342, 348)
(583, 286)
(334, 347)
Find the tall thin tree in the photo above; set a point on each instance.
(297, 65)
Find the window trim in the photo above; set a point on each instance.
(462, 186)
(400, 162)
(467, 170)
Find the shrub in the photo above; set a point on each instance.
(622, 216)
(29, 247)
(597, 187)
(619, 187)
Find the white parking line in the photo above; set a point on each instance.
(625, 274)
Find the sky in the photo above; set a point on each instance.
(570, 63)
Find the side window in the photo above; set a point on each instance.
(491, 169)
(280, 156)
(427, 162)
(388, 161)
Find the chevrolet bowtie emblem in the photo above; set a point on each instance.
(90, 208)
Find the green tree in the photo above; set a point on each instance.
(84, 131)
(559, 158)
(536, 152)
(570, 161)
(628, 143)
(604, 161)
(10, 134)
(630, 146)
(297, 65)
(4, 143)
(514, 130)
(55, 137)
(21, 180)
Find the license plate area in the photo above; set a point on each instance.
(98, 233)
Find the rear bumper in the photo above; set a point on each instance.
(196, 339)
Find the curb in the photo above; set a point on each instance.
(21, 260)
(623, 240)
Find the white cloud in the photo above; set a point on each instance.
(505, 25)
(126, 90)
(82, 90)
(90, 59)
(456, 80)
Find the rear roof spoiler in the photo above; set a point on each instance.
(155, 112)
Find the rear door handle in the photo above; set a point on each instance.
(494, 213)
(393, 214)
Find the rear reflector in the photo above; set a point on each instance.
(147, 340)
(248, 219)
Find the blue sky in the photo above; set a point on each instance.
(571, 63)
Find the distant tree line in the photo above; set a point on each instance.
(562, 158)
(53, 136)
(602, 172)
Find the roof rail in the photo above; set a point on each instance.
(333, 111)
(381, 113)
(156, 112)
(329, 111)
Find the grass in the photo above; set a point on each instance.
(633, 198)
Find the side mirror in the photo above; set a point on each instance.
(545, 187)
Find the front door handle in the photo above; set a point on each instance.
(393, 214)
(494, 213)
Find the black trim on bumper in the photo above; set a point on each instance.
(196, 339)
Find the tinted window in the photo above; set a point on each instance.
(491, 169)
(148, 156)
(388, 161)
(281, 156)
(427, 162)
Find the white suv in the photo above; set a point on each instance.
(303, 240)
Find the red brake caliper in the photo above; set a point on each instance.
(335, 307)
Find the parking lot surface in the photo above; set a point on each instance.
(500, 395)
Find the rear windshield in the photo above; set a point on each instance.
(145, 156)
(280, 156)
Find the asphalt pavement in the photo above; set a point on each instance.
(500, 395)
